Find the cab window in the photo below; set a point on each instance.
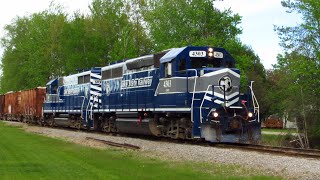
(204, 62)
(182, 66)
(167, 70)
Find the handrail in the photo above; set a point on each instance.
(94, 97)
(255, 102)
(210, 85)
(89, 103)
(194, 89)
(84, 97)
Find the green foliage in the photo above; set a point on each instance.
(296, 76)
(51, 43)
(32, 52)
(181, 23)
(30, 156)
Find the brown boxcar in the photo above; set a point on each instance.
(31, 104)
(2, 106)
(12, 108)
(273, 122)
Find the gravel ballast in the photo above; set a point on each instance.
(286, 166)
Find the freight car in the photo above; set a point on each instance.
(273, 122)
(24, 106)
(189, 92)
(12, 106)
(2, 96)
(31, 104)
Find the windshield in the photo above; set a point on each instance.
(211, 63)
(204, 62)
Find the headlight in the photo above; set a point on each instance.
(215, 114)
(210, 54)
(250, 114)
(210, 50)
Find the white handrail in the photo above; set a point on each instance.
(84, 97)
(255, 102)
(210, 85)
(194, 89)
(87, 109)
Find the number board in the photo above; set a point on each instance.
(218, 54)
(197, 54)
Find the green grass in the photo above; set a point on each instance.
(31, 156)
(276, 140)
(279, 130)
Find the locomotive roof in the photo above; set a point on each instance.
(171, 54)
(143, 61)
(113, 66)
(174, 52)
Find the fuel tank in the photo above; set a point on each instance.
(146, 126)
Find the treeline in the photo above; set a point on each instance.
(294, 83)
(53, 43)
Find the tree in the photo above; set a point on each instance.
(180, 23)
(51, 43)
(301, 63)
(32, 51)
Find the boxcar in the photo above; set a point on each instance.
(12, 108)
(2, 106)
(31, 104)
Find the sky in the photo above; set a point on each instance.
(258, 20)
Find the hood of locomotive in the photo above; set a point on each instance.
(219, 90)
(219, 86)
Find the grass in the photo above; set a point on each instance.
(276, 140)
(31, 156)
(279, 130)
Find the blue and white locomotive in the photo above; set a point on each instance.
(189, 92)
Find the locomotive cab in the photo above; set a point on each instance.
(52, 86)
(188, 61)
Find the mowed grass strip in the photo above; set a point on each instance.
(279, 130)
(30, 156)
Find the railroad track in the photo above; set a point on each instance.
(111, 143)
(313, 153)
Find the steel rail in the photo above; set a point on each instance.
(315, 153)
(123, 145)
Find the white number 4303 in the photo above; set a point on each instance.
(197, 53)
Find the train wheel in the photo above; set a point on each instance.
(175, 130)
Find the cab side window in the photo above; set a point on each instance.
(182, 66)
(167, 70)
